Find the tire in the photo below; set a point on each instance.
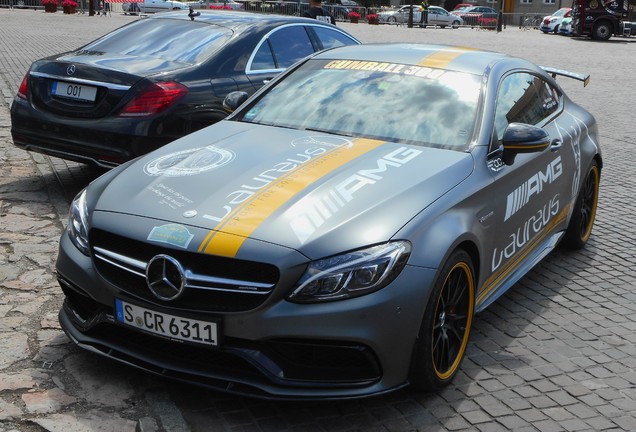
(445, 328)
(580, 226)
(455, 24)
(391, 20)
(602, 31)
(556, 29)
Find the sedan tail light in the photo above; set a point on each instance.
(154, 99)
(23, 90)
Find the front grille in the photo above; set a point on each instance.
(215, 284)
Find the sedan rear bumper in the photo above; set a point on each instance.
(103, 143)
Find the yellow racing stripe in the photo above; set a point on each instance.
(441, 59)
(228, 236)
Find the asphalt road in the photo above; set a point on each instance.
(556, 353)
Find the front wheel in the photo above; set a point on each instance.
(580, 226)
(446, 325)
(391, 19)
(455, 24)
(602, 31)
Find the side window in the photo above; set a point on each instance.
(331, 38)
(290, 44)
(264, 59)
(524, 98)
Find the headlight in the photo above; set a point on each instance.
(77, 227)
(352, 274)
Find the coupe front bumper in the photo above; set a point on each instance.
(280, 350)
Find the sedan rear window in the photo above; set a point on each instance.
(386, 101)
(174, 40)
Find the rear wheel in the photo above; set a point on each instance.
(556, 29)
(580, 226)
(602, 31)
(391, 19)
(446, 325)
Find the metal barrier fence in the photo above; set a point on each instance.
(297, 8)
(100, 6)
(340, 12)
(21, 4)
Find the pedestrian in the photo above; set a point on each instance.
(424, 15)
(318, 12)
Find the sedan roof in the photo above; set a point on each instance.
(234, 19)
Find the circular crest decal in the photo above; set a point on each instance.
(189, 162)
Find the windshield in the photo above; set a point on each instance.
(173, 40)
(386, 101)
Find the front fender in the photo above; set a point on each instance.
(437, 238)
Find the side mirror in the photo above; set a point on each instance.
(523, 138)
(233, 100)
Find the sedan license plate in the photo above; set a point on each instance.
(171, 326)
(74, 91)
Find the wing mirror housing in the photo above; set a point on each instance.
(233, 100)
(523, 138)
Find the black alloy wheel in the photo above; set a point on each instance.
(446, 324)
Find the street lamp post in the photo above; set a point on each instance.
(500, 16)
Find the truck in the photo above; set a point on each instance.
(601, 19)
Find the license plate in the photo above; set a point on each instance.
(171, 326)
(74, 91)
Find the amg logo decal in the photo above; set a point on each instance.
(533, 186)
(314, 215)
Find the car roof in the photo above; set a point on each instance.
(454, 58)
(236, 19)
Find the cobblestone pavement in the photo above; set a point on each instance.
(556, 353)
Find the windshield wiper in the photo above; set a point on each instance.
(330, 132)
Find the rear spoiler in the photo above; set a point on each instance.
(554, 72)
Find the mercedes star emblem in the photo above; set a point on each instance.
(70, 70)
(165, 277)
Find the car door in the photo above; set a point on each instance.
(404, 14)
(152, 6)
(435, 18)
(277, 51)
(532, 195)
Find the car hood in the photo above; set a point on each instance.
(316, 193)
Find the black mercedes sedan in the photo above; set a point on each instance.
(155, 80)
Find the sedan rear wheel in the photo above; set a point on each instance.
(580, 227)
(446, 325)
(391, 19)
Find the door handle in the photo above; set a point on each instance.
(555, 145)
